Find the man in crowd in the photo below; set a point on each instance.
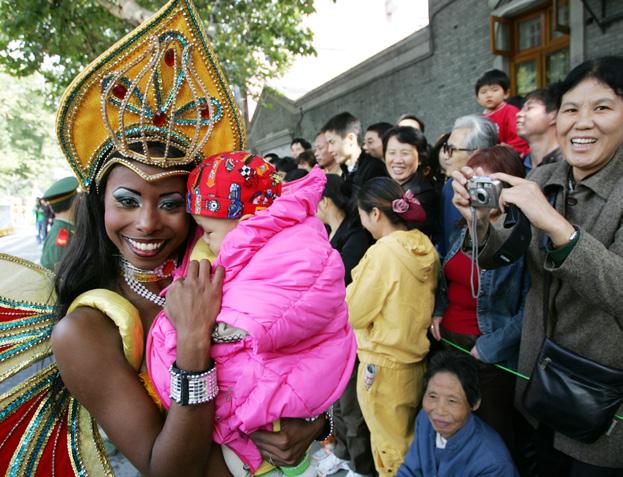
(324, 159)
(61, 198)
(343, 134)
(468, 134)
(373, 140)
(536, 123)
(412, 121)
(298, 145)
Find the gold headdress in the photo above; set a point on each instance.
(161, 83)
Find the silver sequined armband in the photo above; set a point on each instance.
(188, 388)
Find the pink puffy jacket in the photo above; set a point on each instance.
(284, 285)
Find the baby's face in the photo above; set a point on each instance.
(215, 230)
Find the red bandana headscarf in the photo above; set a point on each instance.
(232, 184)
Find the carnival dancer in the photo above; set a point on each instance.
(132, 125)
(282, 345)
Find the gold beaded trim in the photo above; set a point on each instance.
(139, 172)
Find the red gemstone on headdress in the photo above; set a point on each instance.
(205, 111)
(159, 119)
(169, 57)
(119, 91)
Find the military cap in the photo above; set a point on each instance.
(60, 194)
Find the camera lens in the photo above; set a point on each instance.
(482, 196)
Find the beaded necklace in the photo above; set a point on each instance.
(133, 276)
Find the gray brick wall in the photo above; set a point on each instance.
(598, 43)
(438, 87)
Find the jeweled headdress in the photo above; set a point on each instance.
(161, 83)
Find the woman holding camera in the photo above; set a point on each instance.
(489, 323)
(576, 211)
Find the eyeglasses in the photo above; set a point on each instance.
(449, 149)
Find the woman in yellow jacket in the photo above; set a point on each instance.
(390, 302)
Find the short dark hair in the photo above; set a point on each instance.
(463, 366)
(380, 192)
(271, 157)
(607, 70)
(408, 135)
(285, 164)
(549, 96)
(294, 174)
(303, 142)
(414, 118)
(379, 128)
(493, 77)
(339, 193)
(308, 157)
(343, 124)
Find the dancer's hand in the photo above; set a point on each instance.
(288, 446)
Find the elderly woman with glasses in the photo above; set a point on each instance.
(469, 133)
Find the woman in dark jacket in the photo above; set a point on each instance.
(405, 148)
(347, 236)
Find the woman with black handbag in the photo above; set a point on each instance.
(573, 330)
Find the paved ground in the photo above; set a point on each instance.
(23, 244)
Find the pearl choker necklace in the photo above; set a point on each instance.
(142, 291)
(147, 276)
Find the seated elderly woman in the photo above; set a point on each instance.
(449, 439)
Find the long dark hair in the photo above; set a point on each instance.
(380, 192)
(89, 262)
(336, 190)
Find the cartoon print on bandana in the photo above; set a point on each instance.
(229, 164)
(263, 198)
(212, 205)
(234, 210)
(276, 179)
(197, 208)
(246, 172)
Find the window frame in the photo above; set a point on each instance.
(548, 15)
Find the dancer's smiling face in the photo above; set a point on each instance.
(147, 221)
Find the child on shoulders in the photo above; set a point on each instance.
(492, 90)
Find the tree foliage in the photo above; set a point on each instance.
(254, 39)
(31, 159)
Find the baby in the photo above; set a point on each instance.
(283, 346)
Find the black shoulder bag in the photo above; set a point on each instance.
(570, 393)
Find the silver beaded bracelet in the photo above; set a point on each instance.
(328, 428)
(188, 388)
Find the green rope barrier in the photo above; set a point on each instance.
(504, 368)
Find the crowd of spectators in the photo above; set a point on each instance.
(397, 208)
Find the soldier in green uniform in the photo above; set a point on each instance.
(60, 196)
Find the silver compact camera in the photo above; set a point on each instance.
(484, 192)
